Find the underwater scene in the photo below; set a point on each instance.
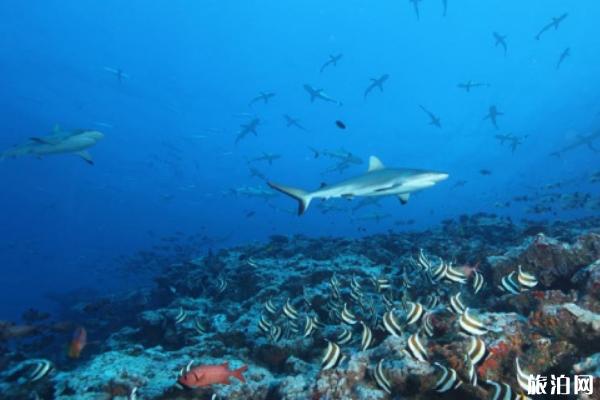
(300, 199)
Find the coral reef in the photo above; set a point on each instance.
(380, 317)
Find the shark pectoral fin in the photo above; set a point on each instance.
(375, 164)
(404, 198)
(87, 157)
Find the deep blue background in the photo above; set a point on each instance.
(195, 65)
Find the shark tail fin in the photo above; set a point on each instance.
(300, 195)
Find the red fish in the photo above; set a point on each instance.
(78, 343)
(206, 375)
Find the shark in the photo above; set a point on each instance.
(319, 94)
(376, 82)
(468, 85)
(582, 140)
(254, 172)
(269, 157)
(566, 53)
(290, 121)
(333, 60)
(513, 141)
(493, 113)
(248, 128)
(554, 24)
(118, 73)
(435, 120)
(264, 96)
(377, 181)
(501, 40)
(59, 142)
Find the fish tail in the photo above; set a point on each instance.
(238, 373)
(300, 195)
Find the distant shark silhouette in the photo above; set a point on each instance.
(333, 59)
(501, 40)
(377, 181)
(289, 122)
(554, 24)
(264, 96)
(493, 113)
(582, 140)
(566, 53)
(435, 120)
(376, 83)
(319, 94)
(248, 128)
(468, 85)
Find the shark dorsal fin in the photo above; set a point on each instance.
(375, 164)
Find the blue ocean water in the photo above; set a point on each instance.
(169, 161)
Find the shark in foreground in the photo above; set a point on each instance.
(59, 142)
(377, 181)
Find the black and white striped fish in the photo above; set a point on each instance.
(456, 304)
(416, 349)
(438, 273)
(471, 372)
(522, 377)
(264, 324)
(221, 285)
(347, 316)
(509, 284)
(448, 381)
(471, 325)
(478, 282)
(382, 381)
(181, 316)
(426, 325)
(366, 337)
(333, 356)
(199, 326)
(391, 324)
(423, 262)
(270, 307)
(344, 337)
(477, 350)
(40, 370)
(381, 284)
(454, 275)
(526, 280)
(290, 311)
(309, 326)
(415, 313)
(431, 301)
(275, 333)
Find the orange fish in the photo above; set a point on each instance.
(206, 375)
(78, 343)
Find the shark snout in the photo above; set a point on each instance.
(440, 176)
